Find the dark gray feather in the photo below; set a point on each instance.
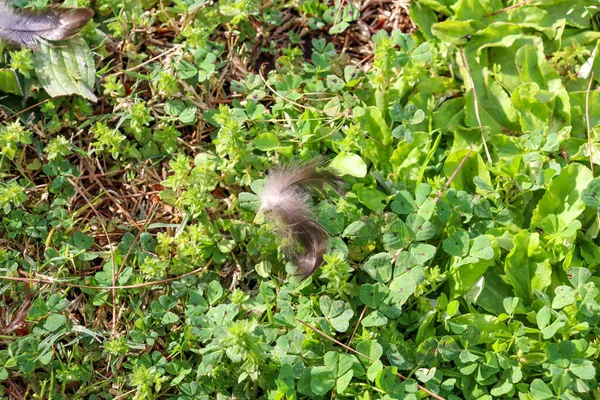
(28, 28)
(286, 201)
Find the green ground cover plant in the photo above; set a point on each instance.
(464, 257)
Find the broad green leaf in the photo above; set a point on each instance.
(422, 229)
(593, 63)
(591, 194)
(341, 322)
(349, 164)
(392, 307)
(457, 245)
(578, 102)
(422, 252)
(497, 34)
(573, 11)
(583, 369)
(266, 141)
(543, 317)
(285, 381)
(533, 105)
(341, 364)
(472, 167)
(54, 322)
(396, 237)
(82, 241)
(169, 318)
(535, 69)
(551, 329)
(456, 32)
(304, 383)
(322, 380)
(510, 304)
(422, 54)
(494, 291)
(563, 197)
(481, 248)
(403, 203)
(213, 292)
(147, 241)
(474, 9)
(494, 104)
(560, 354)
(466, 272)
(374, 370)
(527, 266)
(379, 267)
(579, 276)
(372, 295)
(375, 318)
(9, 82)
(378, 148)
(386, 379)
(188, 116)
(536, 18)
(540, 390)
(501, 388)
(423, 17)
(66, 68)
(448, 348)
(370, 348)
(331, 308)
(343, 381)
(406, 283)
(564, 296)
(249, 201)
(372, 198)
(422, 192)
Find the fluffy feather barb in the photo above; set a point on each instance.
(286, 200)
(27, 28)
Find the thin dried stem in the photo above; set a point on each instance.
(52, 281)
(110, 247)
(476, 105)
(587, 121)
(161, 55)
(589, 131)
(509, 8)
(350, 349)
(439, 195)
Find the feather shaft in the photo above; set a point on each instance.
(285, 200)
(28, 28)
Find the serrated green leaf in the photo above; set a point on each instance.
(66, 68)
(563, 196)
(527, 266)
